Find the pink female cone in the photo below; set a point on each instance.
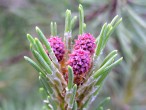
(80, 61)
(58, 47)
(86, 42)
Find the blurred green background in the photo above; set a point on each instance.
(126, 84)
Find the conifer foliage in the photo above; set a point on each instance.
(70, 74)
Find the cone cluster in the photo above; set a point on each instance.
(80, 58)
(71, 75)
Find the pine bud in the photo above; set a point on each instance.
(80, 61)
(86, 42)
(58, 47)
